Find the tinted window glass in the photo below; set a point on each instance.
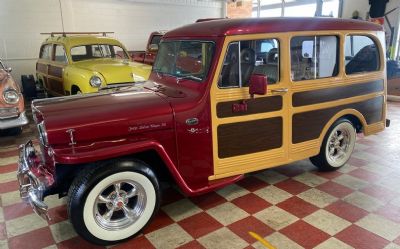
(156, 39)
(361, 54)
(45, 52)
(59, 54)
(313, 57)
(96, 51)
(253, 57)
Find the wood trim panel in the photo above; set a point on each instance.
(335, 93)
(55, 71)
(42, 68)
(309, 125)
(254, 106)
(242, 138)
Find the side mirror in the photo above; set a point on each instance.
(153, 47)
(258, 84)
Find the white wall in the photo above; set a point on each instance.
(131, 20)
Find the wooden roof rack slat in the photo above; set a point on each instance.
(76, 33)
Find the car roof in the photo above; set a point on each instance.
(76, 40)
(224, 27)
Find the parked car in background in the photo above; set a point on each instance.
(225, 98)
(12, 109)
(150, 54)
(74, 63)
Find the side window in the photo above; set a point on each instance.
(245, 58)
(45, 52)
(59, 54)
(361, 54)
(314, 57)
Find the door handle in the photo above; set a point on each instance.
(279, 91)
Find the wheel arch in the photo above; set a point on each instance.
(354, 116)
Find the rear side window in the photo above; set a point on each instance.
(314, 57)
(59, 54)
(245, 58)
(361, 54)
(45, 52)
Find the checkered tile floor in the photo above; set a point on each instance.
(293, 206)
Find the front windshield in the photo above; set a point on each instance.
(96, 51)
(184, 59)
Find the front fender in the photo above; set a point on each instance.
(80, 78)
(73, 156)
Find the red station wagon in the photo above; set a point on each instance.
(225, 97)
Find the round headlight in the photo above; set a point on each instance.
(95, 81)
(10, 96)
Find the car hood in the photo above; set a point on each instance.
(7, 82)
(103, 116)
(116, 71)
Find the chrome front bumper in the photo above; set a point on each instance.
(14, 122)
(31, 188)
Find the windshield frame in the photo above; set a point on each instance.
(103, 57)
(2, 66)
(190, 76)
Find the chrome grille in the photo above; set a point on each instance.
(6, 113)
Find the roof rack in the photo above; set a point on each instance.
(76, 33)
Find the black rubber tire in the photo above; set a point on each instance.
(320, 160)
(87, 179)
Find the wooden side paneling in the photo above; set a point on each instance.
(309, 125)
(249, 137)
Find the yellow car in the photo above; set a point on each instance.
(75, 63)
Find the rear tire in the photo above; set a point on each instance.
(337, 146)
(113, 201)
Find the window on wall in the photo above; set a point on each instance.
(45, 52)
(313, 57)
(59, 54)
(361, 54)
(330, 8)
(300, 8)
(245, 58)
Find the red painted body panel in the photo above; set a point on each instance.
(223, 27)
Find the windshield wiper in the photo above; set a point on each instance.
(190, 77)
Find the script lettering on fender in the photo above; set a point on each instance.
(146, 126)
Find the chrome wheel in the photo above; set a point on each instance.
(340, 144)
(119, 205)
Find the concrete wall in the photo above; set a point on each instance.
(131, 20)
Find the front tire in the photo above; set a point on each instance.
(114, 201)
(337, 146)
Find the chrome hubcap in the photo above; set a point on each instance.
(340, 144)
(119, 205)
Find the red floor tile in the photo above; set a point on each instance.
(304, 234)
(160, 220)
(250, 224)
(346, 211)
(16, 210)
(9, 153)
(365, 175)
(337, 190)
(292, 186)
(139, 242)
(297, 207)
(200, 224)
(194, 244)
(360, 238)
(8, 168)
(354, 161)
(9, 186)
(390, 212)
(380, 193)
(251, 203)
(33, 240)
(58, 214)
(328, 174)
(397, 240)
(208, 200)
(252, 183)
